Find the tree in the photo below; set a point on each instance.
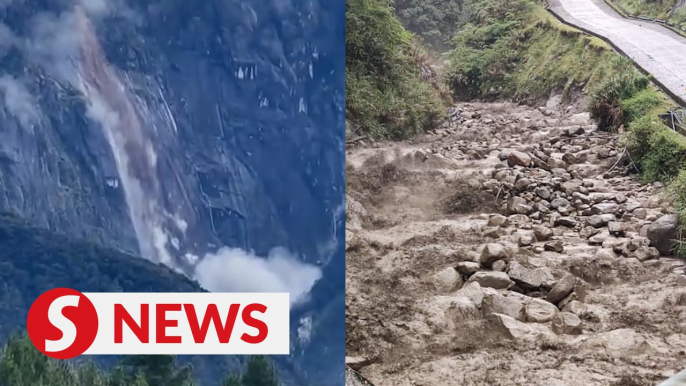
(260, 372)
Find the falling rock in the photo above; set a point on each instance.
(447, 280)
(566, 323)
(661, 233)
(554, 246)
(518, 205)
(562, 288)
(530, 279)
(492, 279)
(518, 158)
(542, 233)
(493, 252)
(540, 311)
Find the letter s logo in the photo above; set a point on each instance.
(65, 325)
(62, 323)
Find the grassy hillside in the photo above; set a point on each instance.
(517, 50)
(435, 21)
(671, 10)
(33, 261)
(386, 96)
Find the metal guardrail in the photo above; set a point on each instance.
(675, 119)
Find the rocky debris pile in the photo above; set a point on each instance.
(575, 261)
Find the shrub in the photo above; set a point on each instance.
(620, 99)
(658, 152)
(386, 96)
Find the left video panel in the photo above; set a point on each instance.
(188, 155)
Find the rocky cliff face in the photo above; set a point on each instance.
(173, 128)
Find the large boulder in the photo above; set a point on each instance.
(492, 279)
(518, 158)
(448, 280)
(528, 278)
(493, 252)
(562, 288)
(661, 233)
(540, 311)
(566, 323)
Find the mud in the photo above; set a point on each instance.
(419, 216)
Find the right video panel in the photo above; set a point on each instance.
(515, 192)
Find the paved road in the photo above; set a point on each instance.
(655, 48)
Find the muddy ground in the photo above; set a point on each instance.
(514, 246)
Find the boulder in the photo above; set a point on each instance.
(566, 323)
(554, 246)
(518, 158)
(661, 233)
(492, 279)
(495, 303)
(447, 280)
(542, 233)
(562, 288)
(497, 220)
(518, 205)
(468, 268)
(493, 252)
(528, 278)
(540, 311)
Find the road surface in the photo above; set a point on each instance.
(655, 48)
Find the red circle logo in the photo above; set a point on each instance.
(62, 323)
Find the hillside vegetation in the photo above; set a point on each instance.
(33, 261)
(673, 11)
(517, 50)
(436, 21)
(386, 96)
(22, 365)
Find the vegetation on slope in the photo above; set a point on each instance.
(434, 20)
(386, 96)
(517, 50)
(671, 10)
(33, 261)
(22, 365)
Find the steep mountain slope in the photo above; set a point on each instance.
(171, 129)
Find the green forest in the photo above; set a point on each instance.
(386, 95)
(22, 365)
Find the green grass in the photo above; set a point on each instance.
(517, 50)
(386, 96)
(654, 10)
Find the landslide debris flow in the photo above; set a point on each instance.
(513, 246)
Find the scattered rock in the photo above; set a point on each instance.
(497, 220)
(468, 268)
(518, 205)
